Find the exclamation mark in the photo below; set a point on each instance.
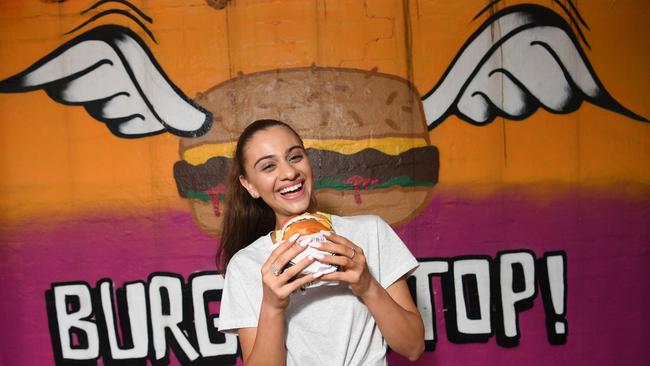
(553, 285)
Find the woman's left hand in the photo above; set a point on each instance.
(387, 306)
(349, 258)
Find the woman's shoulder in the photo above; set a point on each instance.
(356, 220)
(358, 223)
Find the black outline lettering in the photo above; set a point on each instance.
(185, 326)
(552, 318)
(53, 324)
(519, 305)
(126, 341)
(470, 298)
(215, 337)
(422, 300)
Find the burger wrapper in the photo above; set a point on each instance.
(315, 266)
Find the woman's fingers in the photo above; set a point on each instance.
(349, 258)
(335, 276)
(298, 283)
(351, 277)
(350, 250)
(284, 246)
(277, 275)
(281, 249)
(335, 238)
(303, 280)
(340, 240)
(285, 257)
(336, 260)
(288, 280)
(292, 271)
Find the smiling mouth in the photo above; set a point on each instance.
(291, 189)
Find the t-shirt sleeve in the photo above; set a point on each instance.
(395, 258)
(239, 305)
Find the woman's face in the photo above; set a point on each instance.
(278, 171)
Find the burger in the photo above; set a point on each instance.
(364, 132)
(309, 226)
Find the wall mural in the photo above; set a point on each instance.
(125, 277)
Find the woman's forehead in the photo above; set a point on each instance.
(271, 141)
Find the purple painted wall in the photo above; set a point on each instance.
(607, 278)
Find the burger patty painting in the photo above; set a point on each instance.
(364, 131)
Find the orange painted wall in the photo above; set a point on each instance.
(58, 161)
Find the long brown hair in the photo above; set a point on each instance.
(245, 218)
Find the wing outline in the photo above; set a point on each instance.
(149, 104)
(518, 21)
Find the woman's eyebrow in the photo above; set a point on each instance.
(289, 150)
(262, 158)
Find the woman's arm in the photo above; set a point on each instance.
(264, 344)
(268, 348)
(393, 308)
(397, 317)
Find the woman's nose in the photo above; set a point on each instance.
(288, 171)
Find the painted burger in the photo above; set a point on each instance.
(364, 131)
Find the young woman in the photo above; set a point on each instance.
(349, 322)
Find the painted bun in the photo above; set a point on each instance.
(364, 131)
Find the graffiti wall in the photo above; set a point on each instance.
(506, 142)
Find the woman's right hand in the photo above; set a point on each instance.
(275, 282)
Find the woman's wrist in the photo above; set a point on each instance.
(372, 292)
(270, 309)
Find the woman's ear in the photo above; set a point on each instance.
(249, 187)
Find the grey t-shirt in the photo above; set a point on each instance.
(326, 325)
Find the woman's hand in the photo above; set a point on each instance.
(392, 308)
(349, 258)
(277, 284)
(264, 344)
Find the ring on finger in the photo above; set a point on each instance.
(275, 270)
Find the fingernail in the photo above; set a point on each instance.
(318, 255)
(303, 243)
(310, 256)
(294, 237)
(315, 244)
(326, 233)
(317, 274)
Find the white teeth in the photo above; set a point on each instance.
(294, 187)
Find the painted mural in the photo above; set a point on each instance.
(507, 142)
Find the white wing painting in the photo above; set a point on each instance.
(522, 58)
(111, 72)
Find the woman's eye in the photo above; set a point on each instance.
(295, 158)
(268, 167)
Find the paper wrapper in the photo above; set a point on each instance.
(315, 266)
